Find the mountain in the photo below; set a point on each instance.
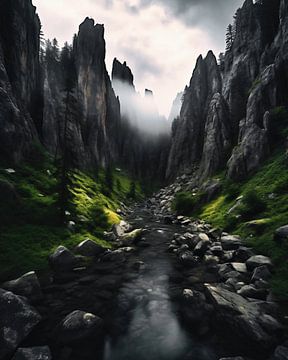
(21, 94)
(93, 131)
(176, 107)
(226, 120)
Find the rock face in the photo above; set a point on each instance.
(93, 132)
(226, 113)
(20, 80)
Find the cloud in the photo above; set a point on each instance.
(159, 39)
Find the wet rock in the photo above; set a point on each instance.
(121, 228)
(243, 254)
(17, 320)
(258, 260)
(261, 273)
(62, 260)
(281, 353)
(201, 248)
(250, 291)
(240, 267)
(238, 320)
(231, 242)
(34, 353)
(27, 285)
(188, 259)
(78, 326)
(89, 248)
(270, 324)
(281, 234)
(233, 358)
(217, 249)
(132, 237)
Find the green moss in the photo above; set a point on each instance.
(263, 208)
(185, 203)
(30, 230)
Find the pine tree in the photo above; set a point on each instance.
(67, 65)
(229, 37)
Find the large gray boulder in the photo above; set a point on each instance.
(258, 260)
(231, 242)
(240, 320)
(281, 353)
(89, 248)
(281, 234)
(33, 353)
(78, 326)
(27, 285)
(62, 259)
(17, 320)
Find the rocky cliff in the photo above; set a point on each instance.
(93, 131)
(225, 118)
(20, 79)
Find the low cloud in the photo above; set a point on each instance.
(140, 111)
(159, 39)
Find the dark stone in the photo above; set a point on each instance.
(18, 319)
(78, 326)
(27, 285)
(35, 353)
(62, 260)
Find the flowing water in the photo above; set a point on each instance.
(145, 321)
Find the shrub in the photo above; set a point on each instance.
(278, 125)
(184, 203)
(252, 205)
(132, 191)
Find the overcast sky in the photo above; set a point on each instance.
(159, 39)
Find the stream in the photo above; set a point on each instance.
(152, 328)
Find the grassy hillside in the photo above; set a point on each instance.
(253, 209)
(29, 211)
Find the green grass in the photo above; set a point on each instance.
(30, 229)
(263, 208)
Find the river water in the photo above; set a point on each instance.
(145, 323)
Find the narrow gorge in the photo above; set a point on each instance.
(127, 234)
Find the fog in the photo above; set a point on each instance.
(140, 111)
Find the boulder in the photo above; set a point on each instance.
(17, 320)
(240, 267)
(250, 291)
(34, 353)
(243, 254)
(62, 259)
(239, 321)
(201, 248)
(281, 234)
(27, 285)
(78, 326)
(121, 228)
(258, 260)
(261, 273)
(132, 237)
(89, 248)
(231, 242)
(188, 259)
(281, 353)
(217, 249)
